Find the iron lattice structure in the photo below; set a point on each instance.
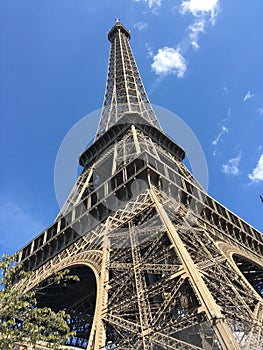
(124, 91)
(162, 265)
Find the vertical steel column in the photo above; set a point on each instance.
(97, 338)
(212, 310)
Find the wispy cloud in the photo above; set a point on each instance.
(195, 29)
(204, 12)
(152, 4)
(149, 49)
(156, 84)
(248, 95)
(223, 131)
(201, 8)
(257, 172)
(225, 90)
(232, 166)
(169, 61)
(16, 226)
(260, 111)
(140, 25)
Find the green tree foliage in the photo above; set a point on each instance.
(20, 318)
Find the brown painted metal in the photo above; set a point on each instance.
(172, 268)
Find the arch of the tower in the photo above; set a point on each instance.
(247, 263)
(77, 298)
(252, 271)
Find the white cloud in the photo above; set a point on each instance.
(257, 172)
(260, 111)
(232, 166)
(169, 61)
(201, 8)
(152, 4)
(195, 29)
(223, 131)
(149, 49)
(248, 96)
(205, 12)
(140, 25)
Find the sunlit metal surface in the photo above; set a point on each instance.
(162, 264)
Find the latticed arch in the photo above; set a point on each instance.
(252, 270)
(77, 298)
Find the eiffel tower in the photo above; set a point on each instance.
(162, 265)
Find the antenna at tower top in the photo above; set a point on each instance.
(117, 20)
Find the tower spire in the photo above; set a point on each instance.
(124, 89)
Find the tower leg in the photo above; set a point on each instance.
(97, 338)
(212, 310)
(253, 341)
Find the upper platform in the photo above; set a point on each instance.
(119, 129)
(116, 28)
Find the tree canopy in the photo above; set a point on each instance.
(21, 320)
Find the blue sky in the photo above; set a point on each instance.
(202, 60)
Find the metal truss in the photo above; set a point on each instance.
(166, 273)
(163, 264)
(147, 256)
(124, 91)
